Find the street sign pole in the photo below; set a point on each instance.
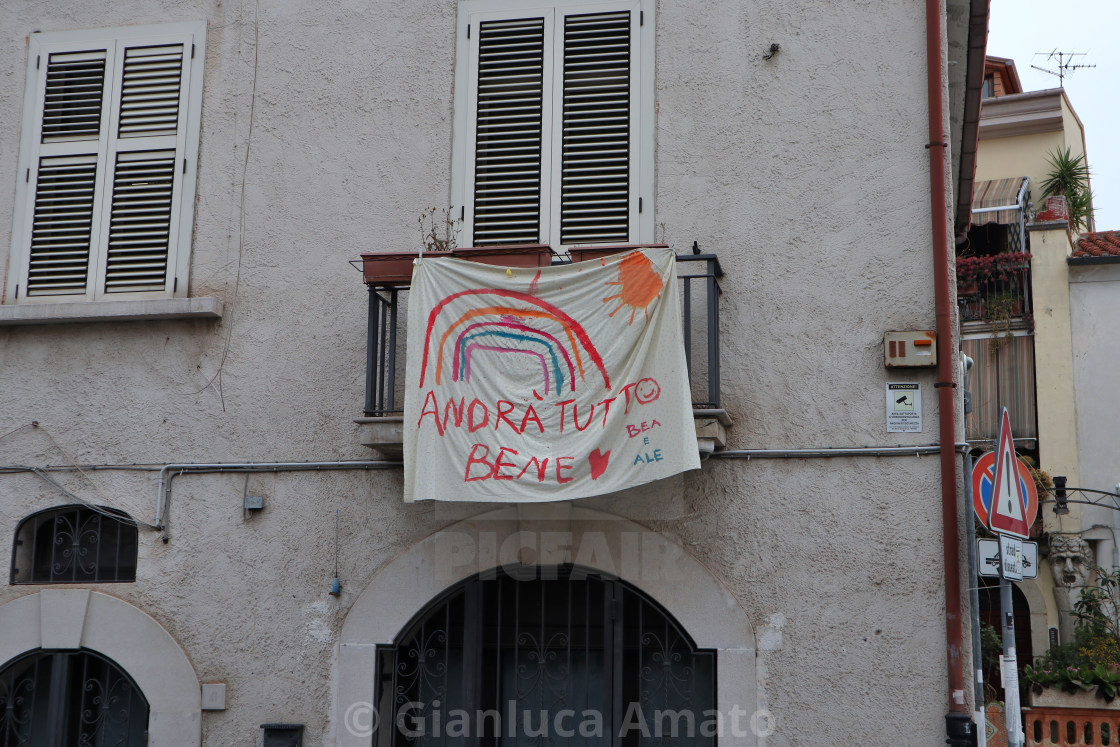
(1010, 666)
(1008, 517)
(1008, 506)
(974, 623)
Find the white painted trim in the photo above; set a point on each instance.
(204, 307)
(590, 538)
(991, 334)
(133, 640)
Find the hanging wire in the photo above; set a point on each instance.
(122, 517)
(117, 514)
(241, 217)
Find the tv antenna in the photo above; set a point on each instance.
(1065, 64)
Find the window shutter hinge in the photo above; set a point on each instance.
(639, 204)
(641, 18)
(37, 58)
(462, 212)
(17, 291)
(184, 165)
(468, 31)
(28, 177)
(175, 285)
(192, 51)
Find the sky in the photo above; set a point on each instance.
(1020, 28)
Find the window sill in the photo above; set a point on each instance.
(111, 311)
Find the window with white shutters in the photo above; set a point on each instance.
(554, 122)
(107, 177)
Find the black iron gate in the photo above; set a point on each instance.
(70, 699)
(545, 656)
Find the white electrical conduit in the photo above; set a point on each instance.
(857, 451)
(171, 471)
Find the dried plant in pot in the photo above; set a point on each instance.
(438, 233)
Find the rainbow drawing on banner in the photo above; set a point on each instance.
(507, 329)
(466, 343)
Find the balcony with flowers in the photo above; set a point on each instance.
(994, 289)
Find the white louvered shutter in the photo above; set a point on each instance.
(66, 173)
(552, 126)
(107, 166)
(595, 152)
(508, 132)
(143, 153)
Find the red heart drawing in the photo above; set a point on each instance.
(598, 463)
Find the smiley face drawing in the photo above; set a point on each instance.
(646, 391)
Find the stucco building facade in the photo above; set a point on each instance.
(296, 137)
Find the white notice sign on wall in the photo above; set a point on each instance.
(904, 408)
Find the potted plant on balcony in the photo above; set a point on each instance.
(438, 233)
(600, 251)
(1000, 311)
(507, 255)
(1084, 672)
(1069, 178)
(991, 269)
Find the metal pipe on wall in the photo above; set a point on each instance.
(824, 453)
(171, 471)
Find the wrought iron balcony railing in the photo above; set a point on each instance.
(1007, 296)
(700, 291)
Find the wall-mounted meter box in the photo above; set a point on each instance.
(910, 349)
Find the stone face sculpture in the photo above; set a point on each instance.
(1071, 562)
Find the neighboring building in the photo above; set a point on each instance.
(1036, 336)
(209, 543)
(1094, 292)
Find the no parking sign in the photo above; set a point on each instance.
(983, 476)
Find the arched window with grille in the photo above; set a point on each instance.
(75, 544)
(64, 698)
(562, 656)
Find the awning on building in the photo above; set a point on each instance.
(998, 200)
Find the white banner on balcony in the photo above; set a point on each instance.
(545, 384)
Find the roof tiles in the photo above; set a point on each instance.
(1099, 244)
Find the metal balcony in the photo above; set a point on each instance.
(699, 276)
(996, 300)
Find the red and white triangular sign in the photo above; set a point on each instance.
(1007, 514)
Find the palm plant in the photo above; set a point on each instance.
(1080, 207)
(1069, 177)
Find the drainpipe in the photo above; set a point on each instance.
(935, 81)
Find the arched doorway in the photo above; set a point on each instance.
(552, 535)
(63, 698)
(544, 654)
(84, 621)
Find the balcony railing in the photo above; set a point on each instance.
(700, 291)
(1006, 295)
(1071, 727)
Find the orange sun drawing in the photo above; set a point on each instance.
(639, 285)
